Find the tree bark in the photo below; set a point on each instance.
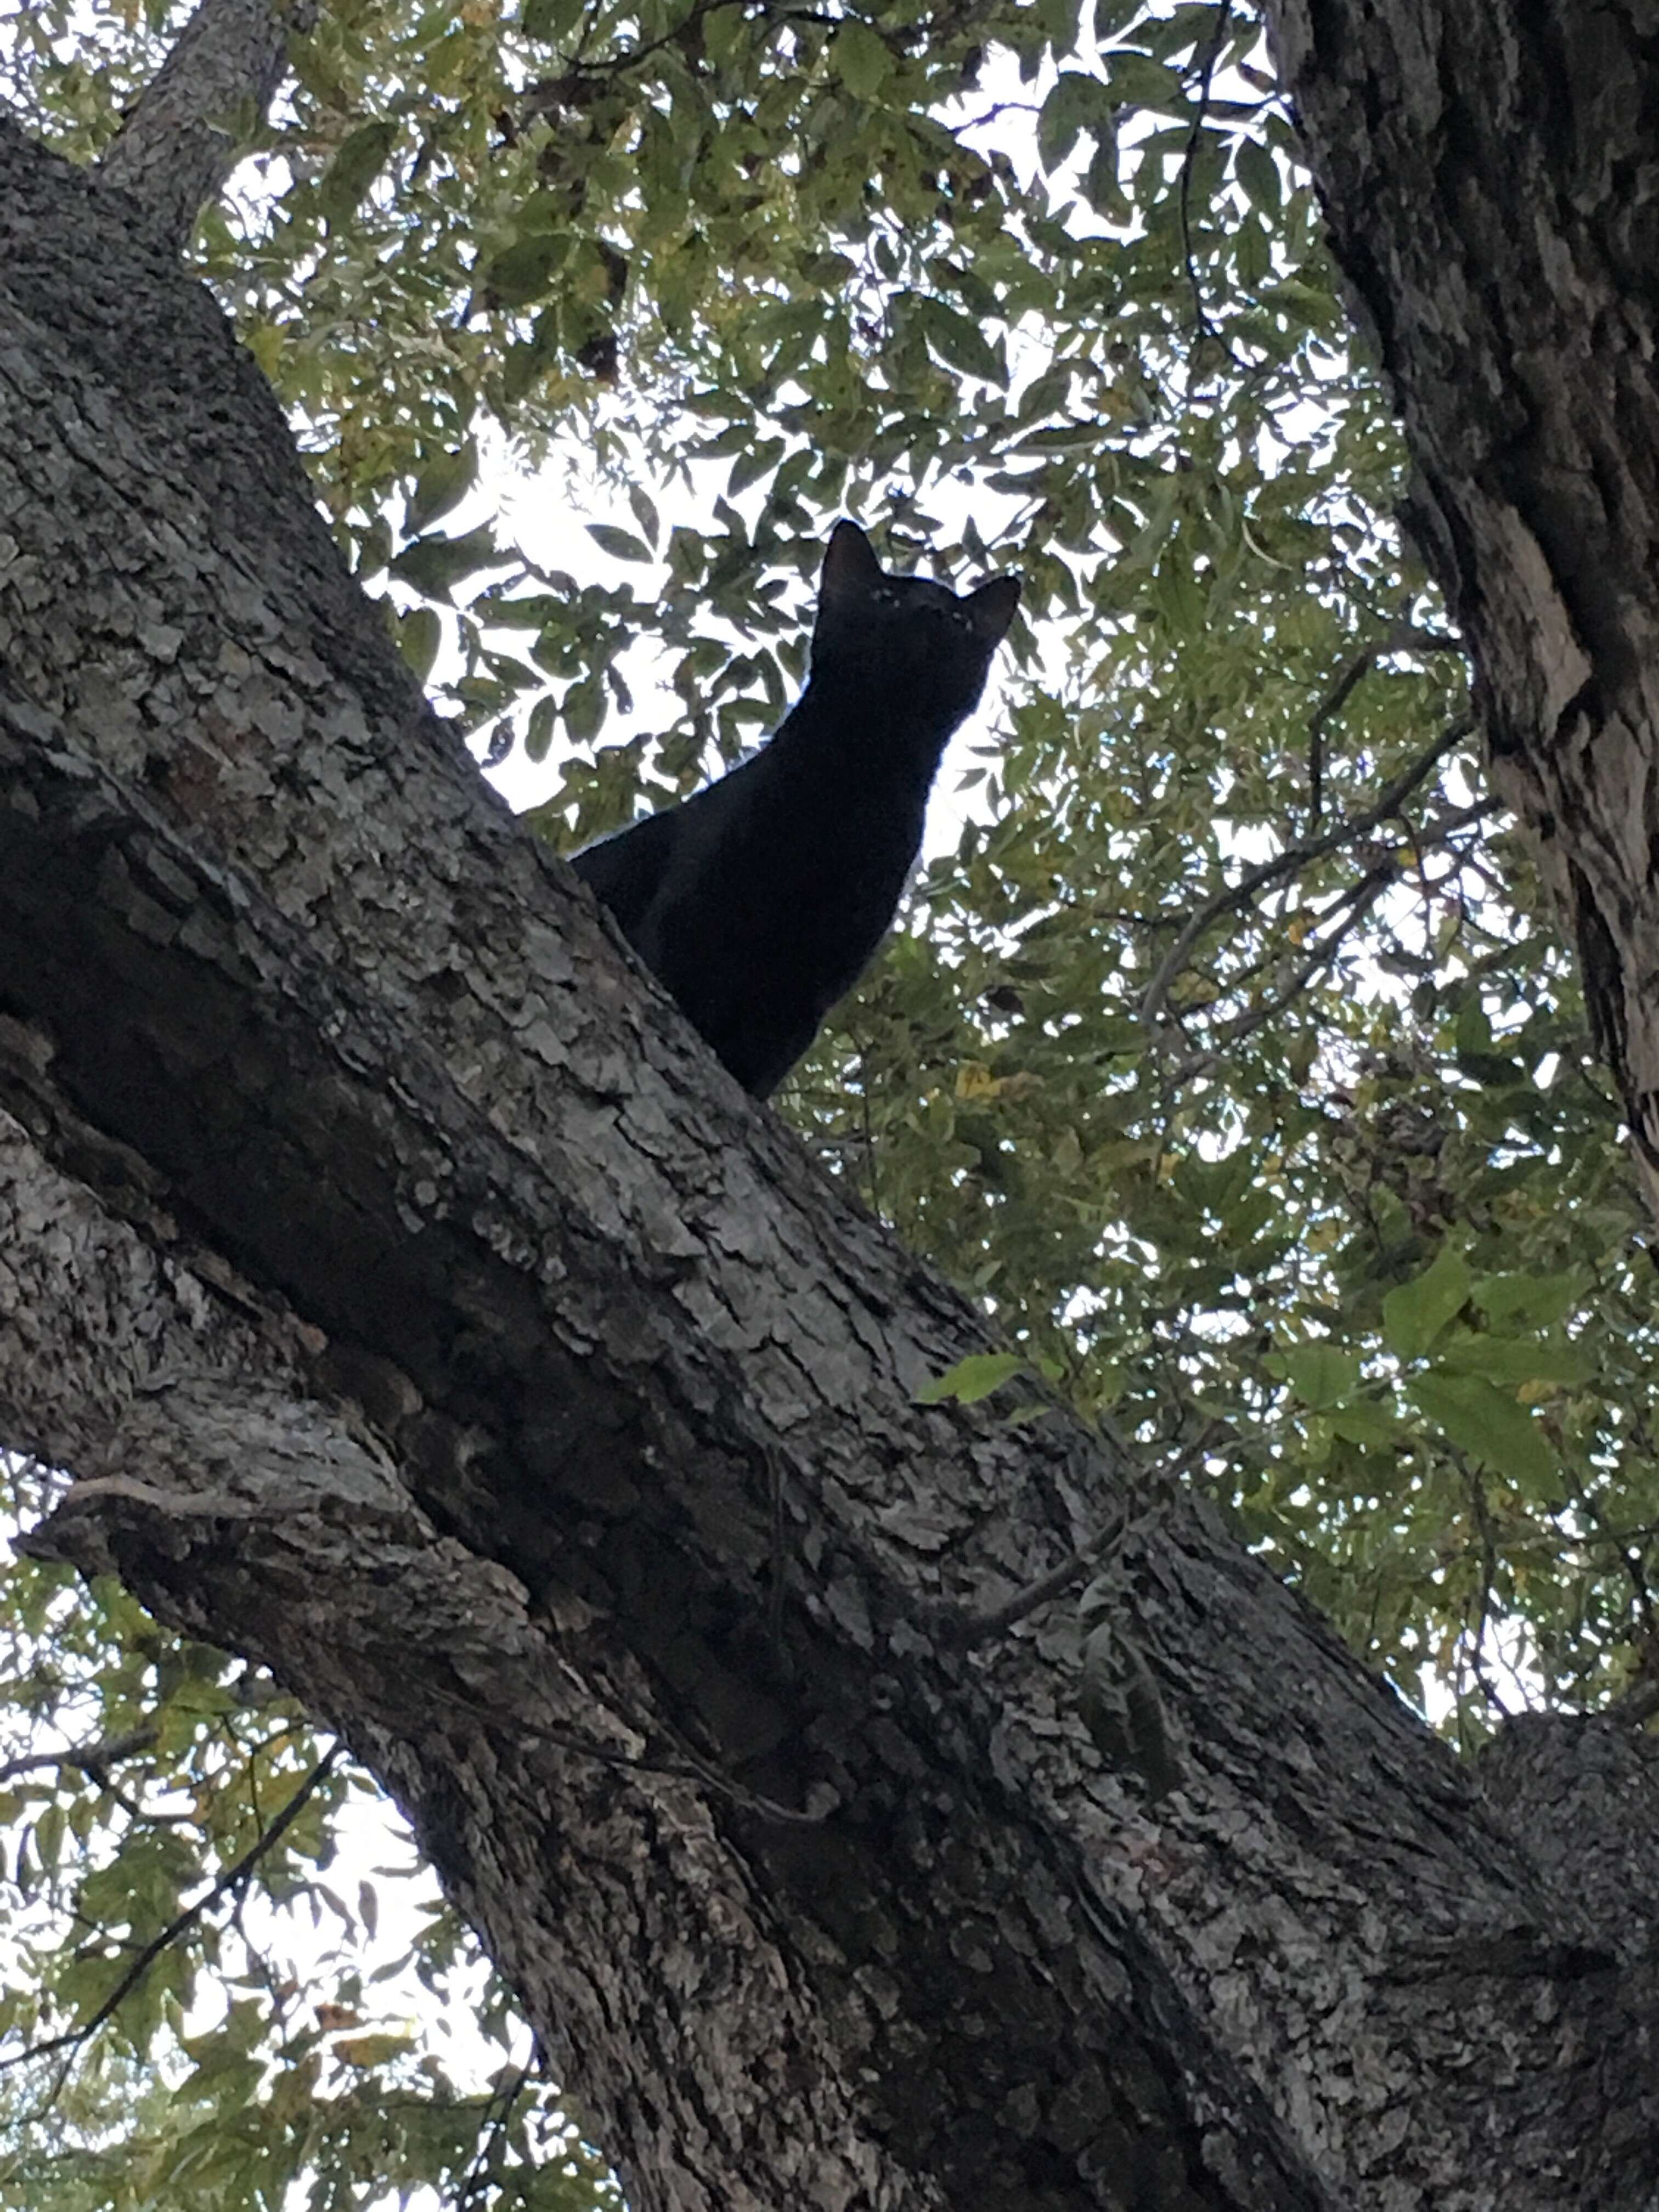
(176, 149)
(1490, 180)
(427, 1316)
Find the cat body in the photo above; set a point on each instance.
(760, 900)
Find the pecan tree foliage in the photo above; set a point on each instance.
(426, 1324)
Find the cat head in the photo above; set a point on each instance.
(903, 641)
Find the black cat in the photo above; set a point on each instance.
(759, 902)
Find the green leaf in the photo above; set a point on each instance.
(1077, 103)
(645, 513)
(522, 273)
(861, 59)
(583, 709)
(1138, 81)
(1414, 1314)
(548, 21)
(1489, 1427)
(1366, 1421)
(960, 342)
(973, 1378)
(539, 730)
(441, 486)
(1321, 1376)
(1258, 173)
(750, 467)
(420, 633)
(1526, 1301)
(1515, 1361)
(723, 32)
(354, 168)
(1103, 184)
(436, 565)
(620, 544)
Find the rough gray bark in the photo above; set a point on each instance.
(427, 1317)
(188, 129)
(1491, 177)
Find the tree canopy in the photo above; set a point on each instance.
(1230, 1059)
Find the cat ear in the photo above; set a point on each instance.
(991, 608)
(850, 567)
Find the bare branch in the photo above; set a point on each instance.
(1402, 637)
(1238, 895)
(1360, 897)
(477, 2181)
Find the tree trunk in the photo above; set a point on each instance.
(187, 131)
(1491, 178)
(426, 1316)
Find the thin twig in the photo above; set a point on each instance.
(497, 2113)
(1477, 1648)
(1157, 1484)
(980, 1627)
(1402, 637)
(1206, 327)
(88, 1757)
(1366, 893)
(1629, 1558)
(1294, 857)
(232, 1879)
(1360, 897)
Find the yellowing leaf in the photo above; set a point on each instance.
(975, 1080)
(372, 2049)
(1067, 1154)
(264, 340)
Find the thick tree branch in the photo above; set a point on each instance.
(365, 1185)
(189, 127)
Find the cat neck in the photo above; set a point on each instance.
(836, 719)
